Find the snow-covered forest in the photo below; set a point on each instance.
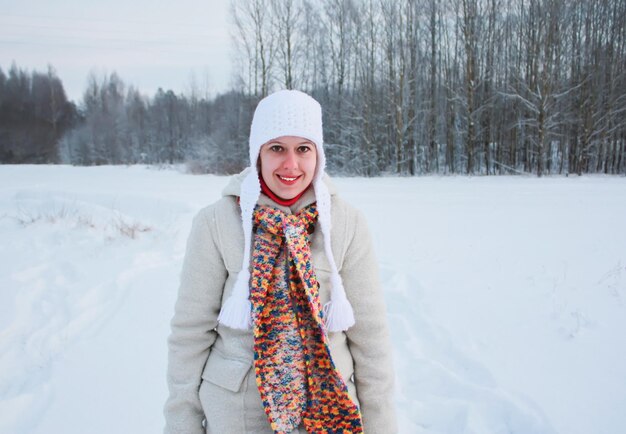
(407, 86)
(505, 295)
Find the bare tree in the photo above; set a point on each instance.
(253, 21)
(469, 10)
(287, 14)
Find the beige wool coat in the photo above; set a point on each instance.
(210, 376)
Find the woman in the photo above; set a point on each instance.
(280, 324)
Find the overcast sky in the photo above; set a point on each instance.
(149, 43)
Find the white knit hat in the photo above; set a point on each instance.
(286, 113)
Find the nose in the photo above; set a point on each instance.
(290, 161)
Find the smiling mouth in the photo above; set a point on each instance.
(288, 178)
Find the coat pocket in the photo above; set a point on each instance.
(226, 372)
(222, 395)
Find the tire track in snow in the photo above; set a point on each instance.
(67, 282)
(440, 389)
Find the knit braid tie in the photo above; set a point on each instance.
(295, 373)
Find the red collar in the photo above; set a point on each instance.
(269, 193)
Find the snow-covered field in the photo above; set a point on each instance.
(506, 297)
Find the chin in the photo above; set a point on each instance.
(287, 195)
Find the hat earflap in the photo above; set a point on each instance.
(237, 310)
(338, 313)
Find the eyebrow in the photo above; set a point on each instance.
(306, 142)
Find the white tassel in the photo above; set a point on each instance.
(338, 313)
(236, 311)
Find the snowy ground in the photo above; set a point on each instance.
(506, 297)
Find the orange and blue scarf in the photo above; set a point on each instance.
(295, 373)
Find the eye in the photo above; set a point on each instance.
(304, 149)
(275, 148)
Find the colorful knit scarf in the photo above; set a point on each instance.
(295, 373)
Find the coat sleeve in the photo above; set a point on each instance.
(193, 325)
(369, 339)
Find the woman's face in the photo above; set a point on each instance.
(288, 165)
